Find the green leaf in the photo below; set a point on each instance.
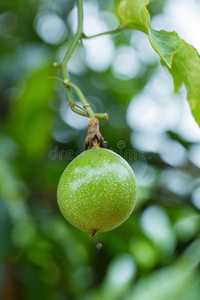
(166, 44)
(134, 14)
(176, 76)
(186, 69)
(182, 59)
(30, 115)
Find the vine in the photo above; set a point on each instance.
(181, 59)
(86, 111)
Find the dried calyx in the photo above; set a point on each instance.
(94, 138)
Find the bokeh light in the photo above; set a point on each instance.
(126, 64)
(51, 28)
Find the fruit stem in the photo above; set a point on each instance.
(70, 50)
(75, 40)
(94, 234)
(81, 97)
(87, 110)
(82, 112)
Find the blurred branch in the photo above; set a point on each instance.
(10, 288)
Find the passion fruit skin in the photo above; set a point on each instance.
(97, 191)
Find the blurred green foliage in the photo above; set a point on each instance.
(155, 254)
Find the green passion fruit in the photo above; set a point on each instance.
(97, 191)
